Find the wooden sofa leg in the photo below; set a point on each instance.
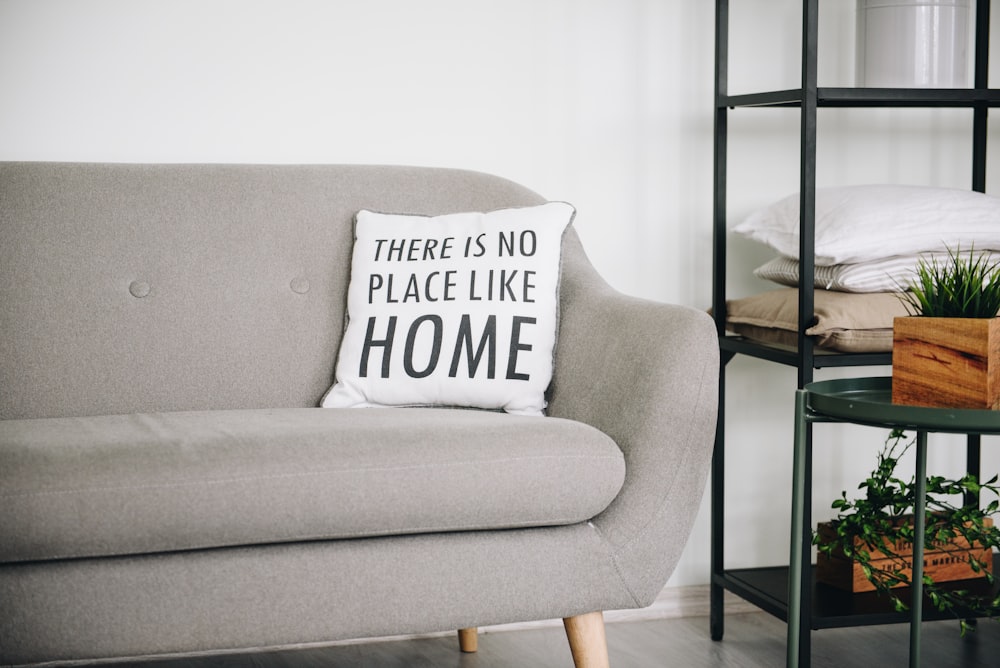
(468, 639)
(587, 641)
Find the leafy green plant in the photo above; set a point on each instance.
(879, 522)
(963, 286)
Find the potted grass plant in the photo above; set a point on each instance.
(869, 545)
(946, 352)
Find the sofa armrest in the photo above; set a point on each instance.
(646, 374)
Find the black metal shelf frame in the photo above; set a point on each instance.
(809, 98)
(833, 608)
(731, 345)
(869, 97)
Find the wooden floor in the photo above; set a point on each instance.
(753, 640)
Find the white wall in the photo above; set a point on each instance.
(603, 103)
(600, 103)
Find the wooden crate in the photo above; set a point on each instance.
(946, 562)
(946, 362)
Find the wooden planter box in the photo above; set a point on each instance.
(947, 562)
(946, 362)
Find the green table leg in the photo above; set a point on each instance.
(919, 528)
(797, 568)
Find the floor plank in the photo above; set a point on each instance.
(753, 640)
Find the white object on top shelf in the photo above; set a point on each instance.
(913, 43)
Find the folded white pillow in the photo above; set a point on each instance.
(863, 223)
(889, 274)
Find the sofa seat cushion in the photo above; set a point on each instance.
(145, 483)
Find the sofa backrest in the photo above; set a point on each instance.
(132, 288)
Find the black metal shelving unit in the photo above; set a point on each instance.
(767, 587)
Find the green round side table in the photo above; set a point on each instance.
(864, 401)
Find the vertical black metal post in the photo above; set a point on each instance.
(973, 463)
(807, 244)
(973, 466)
(721, 127)
(717, 556)
(980, 128)
(807, 187)
(980, 110)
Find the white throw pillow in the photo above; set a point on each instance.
(891, 274)
(862, 223)
(452, 310)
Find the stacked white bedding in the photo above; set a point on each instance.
(868, 242)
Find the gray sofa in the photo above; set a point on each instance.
(168, 485)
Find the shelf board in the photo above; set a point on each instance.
(868, 97)
(788, 355)
(780, 98)
(767, 588)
